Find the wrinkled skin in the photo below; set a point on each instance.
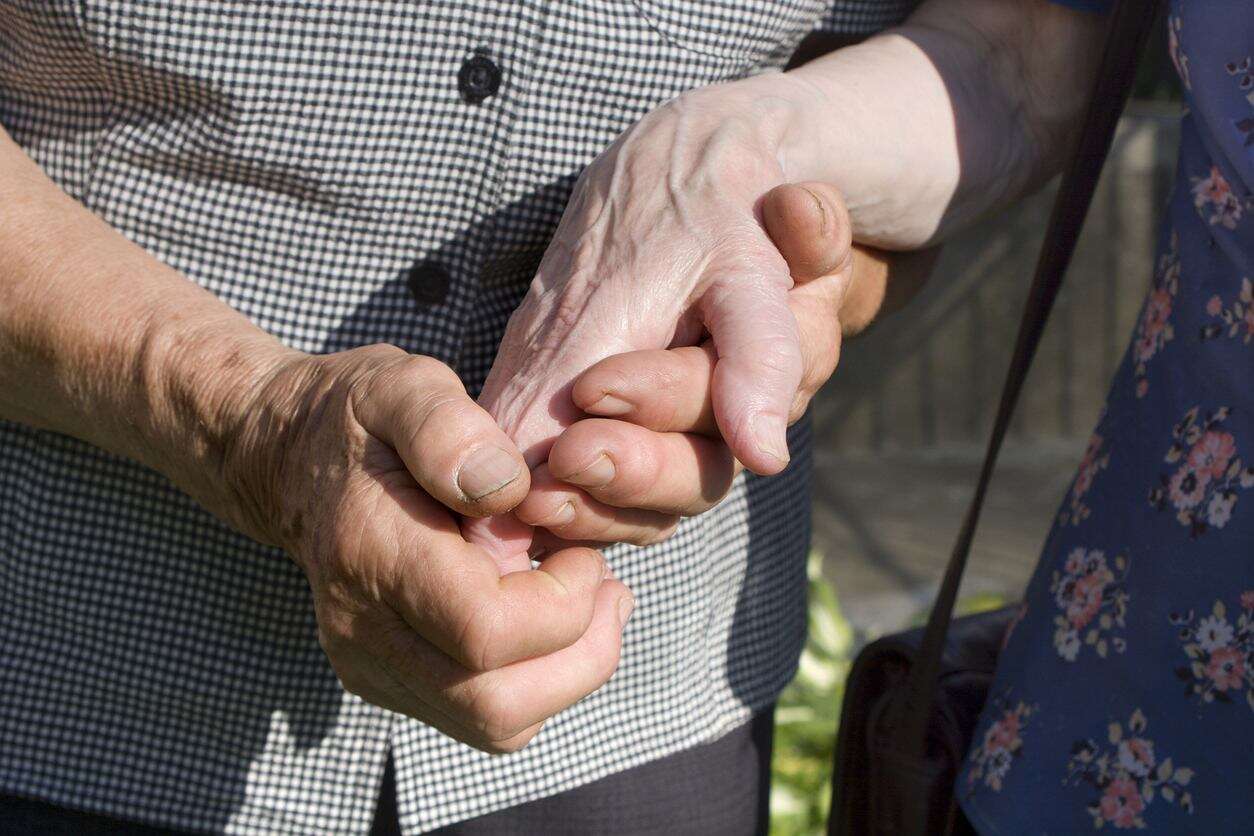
(351, 462)
(657, 454)
(661, 246)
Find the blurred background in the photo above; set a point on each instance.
(901, 428)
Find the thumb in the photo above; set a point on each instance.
(759, 364)
(809, 225)
(760, 361)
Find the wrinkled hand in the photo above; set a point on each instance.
(661, 245)
(659, 447)
(351, 462)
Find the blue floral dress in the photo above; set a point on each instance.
(1125, 693)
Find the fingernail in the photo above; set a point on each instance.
(625, 606)
(818, 202)
(486, 471)
(610, 406)
(564, 516)
(771, 439)
(596, 475)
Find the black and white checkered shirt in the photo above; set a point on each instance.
(346, 173)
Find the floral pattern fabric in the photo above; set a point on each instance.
(1124, 696)
(1203, 487)
(1093, 602)
(1127, 775)
(1219, 653)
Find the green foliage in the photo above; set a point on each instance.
(806, 716)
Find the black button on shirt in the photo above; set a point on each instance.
(478, 78)
(428, 282)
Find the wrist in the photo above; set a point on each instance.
(205, 389)
(892, 156)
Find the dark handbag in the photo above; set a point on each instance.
(912, 700)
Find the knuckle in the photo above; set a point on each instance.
(800, 403)
(709, 497)
(382, 352)
(654, 535)
(491, 714)
(331, 642)
(439, 408)
(339, 639)
(477, 640)
(431, 371)
(508, 747)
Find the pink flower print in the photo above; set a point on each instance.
(1096, 458)
(1076, 561)
(1218, 652)
(1092, 601)
(1212, 189)
(1127, 777)
(1187, 487)
(1153, 324)
(1086, 598)
(1154, 329)
(1136, 755)
(1121, 804)
(991, 760)
(1215, 193)
(1212, 453)
(1003, 735)
(1226, 668)
(1084, 478)
(1205, 485)
(1235, 320)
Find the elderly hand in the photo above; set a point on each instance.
(351, 462)
(658, 446)
(661, 245)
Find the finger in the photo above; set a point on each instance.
(809, 224)
(452, 592)
(667, 390)
(571, 514)
(758, 368)
(546, 542)
(627, 466)
(450, 444)
(374, 678)
(506, 539)
(504, 704)
(816, 306)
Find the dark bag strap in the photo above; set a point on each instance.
(1128, 29)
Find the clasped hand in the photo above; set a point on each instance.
(691, 294)
(687, 304)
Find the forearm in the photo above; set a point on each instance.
(967, 106)
(101, 341)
